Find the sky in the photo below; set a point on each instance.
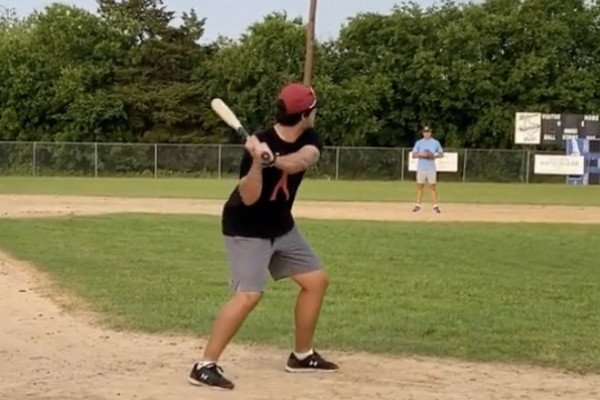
(231, 17)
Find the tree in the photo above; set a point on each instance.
(155, 80)
(8, 18)
(55, 68)
(133, 74)
(248, 74)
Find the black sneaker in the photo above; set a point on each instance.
(312, 363)
(437, 210)
(209, 375)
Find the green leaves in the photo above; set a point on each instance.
(50, 65)
(248, 74)
(137, 72)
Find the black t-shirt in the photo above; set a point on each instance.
(271, 215)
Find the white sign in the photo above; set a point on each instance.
(528, 128)
(559, 165)
(448, 163)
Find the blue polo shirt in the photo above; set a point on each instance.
(433, 146)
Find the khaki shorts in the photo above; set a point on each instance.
(428, 176)
(253, 259)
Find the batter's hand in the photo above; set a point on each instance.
(264, 154)
(259, 151)
(251, 143)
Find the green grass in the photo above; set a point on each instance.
(489, 292)
(311, 190)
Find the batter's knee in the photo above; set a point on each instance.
(323, 282)
(315, 281)
(248, 299)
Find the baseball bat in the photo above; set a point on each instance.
(229, 117)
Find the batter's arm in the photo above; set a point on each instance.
(299, 161)
(250, 186)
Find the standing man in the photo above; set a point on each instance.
(426, 150)
(261, 237)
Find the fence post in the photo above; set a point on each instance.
(403, 164)
(220, 158)
(95, 159)
(33, 158)
(464, 177)
(527, 166)
(155, 160)
(337, 163)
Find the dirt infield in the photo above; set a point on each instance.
(43, 206)
(48, 352)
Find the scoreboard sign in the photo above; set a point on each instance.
(528, 128)
(551, 128)
(555, 128)
(590, 128)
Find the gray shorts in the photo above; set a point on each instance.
(252, 259)
(429, 176)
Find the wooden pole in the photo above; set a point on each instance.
(310, 43)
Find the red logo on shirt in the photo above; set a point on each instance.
(281, 185)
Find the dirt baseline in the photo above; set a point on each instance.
(24, 206)
(51, 354)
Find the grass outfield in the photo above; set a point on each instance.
(311, 190)
(490, 292)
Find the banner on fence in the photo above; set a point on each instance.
(528, 128)
(448, 163)
(559, 165)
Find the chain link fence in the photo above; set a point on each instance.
(218, 161)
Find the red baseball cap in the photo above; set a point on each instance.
(298, 98)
